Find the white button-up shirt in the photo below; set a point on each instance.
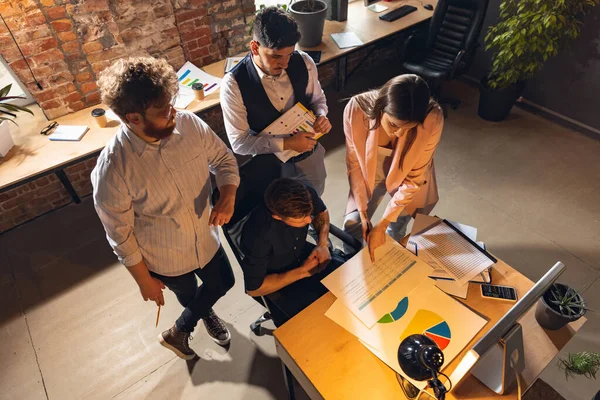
(153, 199)
(281, 93)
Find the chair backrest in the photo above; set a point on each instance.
(455, 26)
(255, 176)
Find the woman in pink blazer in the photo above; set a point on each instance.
(391, 136)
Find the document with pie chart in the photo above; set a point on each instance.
(425, 310)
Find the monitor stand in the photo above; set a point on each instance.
(496, 367)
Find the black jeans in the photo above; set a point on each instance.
(217, 278)
(290, 300)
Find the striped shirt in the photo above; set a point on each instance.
(153, 199)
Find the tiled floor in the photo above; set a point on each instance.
(74, 326)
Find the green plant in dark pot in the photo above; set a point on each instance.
(527, 33)
(310, 17)
(559, 306)
(584, 363)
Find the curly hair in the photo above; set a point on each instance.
(134, 84)
(288, 198)
(275, 29)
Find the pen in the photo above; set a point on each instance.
(157, 316)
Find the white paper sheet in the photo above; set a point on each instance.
(453, 288)
(423, 310)
(187, 76)
(459, 258)
(365, 287)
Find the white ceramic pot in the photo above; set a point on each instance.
(6, 141)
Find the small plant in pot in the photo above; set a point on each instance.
(310, 17)
(559, 306)
(8, 112)
(584, 363)
(528, 32)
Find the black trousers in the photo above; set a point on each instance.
(217, 278)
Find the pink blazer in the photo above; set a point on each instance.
(412, 186)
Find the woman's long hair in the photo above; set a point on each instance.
(404, 97)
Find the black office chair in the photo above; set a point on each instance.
(449, 47)
(255, 176)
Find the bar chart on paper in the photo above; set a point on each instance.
(190, 74)
(187, 76)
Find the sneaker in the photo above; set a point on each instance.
(216, 329)
(178, 342)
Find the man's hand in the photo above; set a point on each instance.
(321, 253)
(375, 239)
(322, 125)
(308, 266)
(151, 289)
(300, 142)
(222, 212)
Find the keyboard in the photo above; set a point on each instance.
(397, 13)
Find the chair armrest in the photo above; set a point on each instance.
(456, 62)
(412, 49)
(345, 237)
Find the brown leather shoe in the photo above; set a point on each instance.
(178, 342)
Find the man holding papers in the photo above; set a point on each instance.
(279, 263)
(264, 85)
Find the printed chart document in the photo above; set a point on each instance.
(295, 120)
(424, 310)
(448, 249)
(187, 76)
(367, 288)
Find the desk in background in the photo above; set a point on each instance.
(330, 363)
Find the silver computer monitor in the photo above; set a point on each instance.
(488, 356)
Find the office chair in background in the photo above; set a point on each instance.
(255, 176)
(449, 47)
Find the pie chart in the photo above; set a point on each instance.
(395, 315)
(430, 324)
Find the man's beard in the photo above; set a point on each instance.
(158, 133)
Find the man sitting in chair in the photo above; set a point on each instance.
(279, 263)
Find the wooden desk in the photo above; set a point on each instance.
(34, 155)
(331, 363)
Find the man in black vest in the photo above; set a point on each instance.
(264, 85)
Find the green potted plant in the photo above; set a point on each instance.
(584, 363)
(310, 17)
(559, 306)
(8, 112)
(528, 32)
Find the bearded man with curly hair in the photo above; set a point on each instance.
(151, 192)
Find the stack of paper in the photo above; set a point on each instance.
(382, 303)
(455, 259)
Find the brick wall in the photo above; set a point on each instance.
(68, 42)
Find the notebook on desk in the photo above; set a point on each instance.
(69, 133)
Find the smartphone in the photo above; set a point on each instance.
(499, 292)
(315, 55)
